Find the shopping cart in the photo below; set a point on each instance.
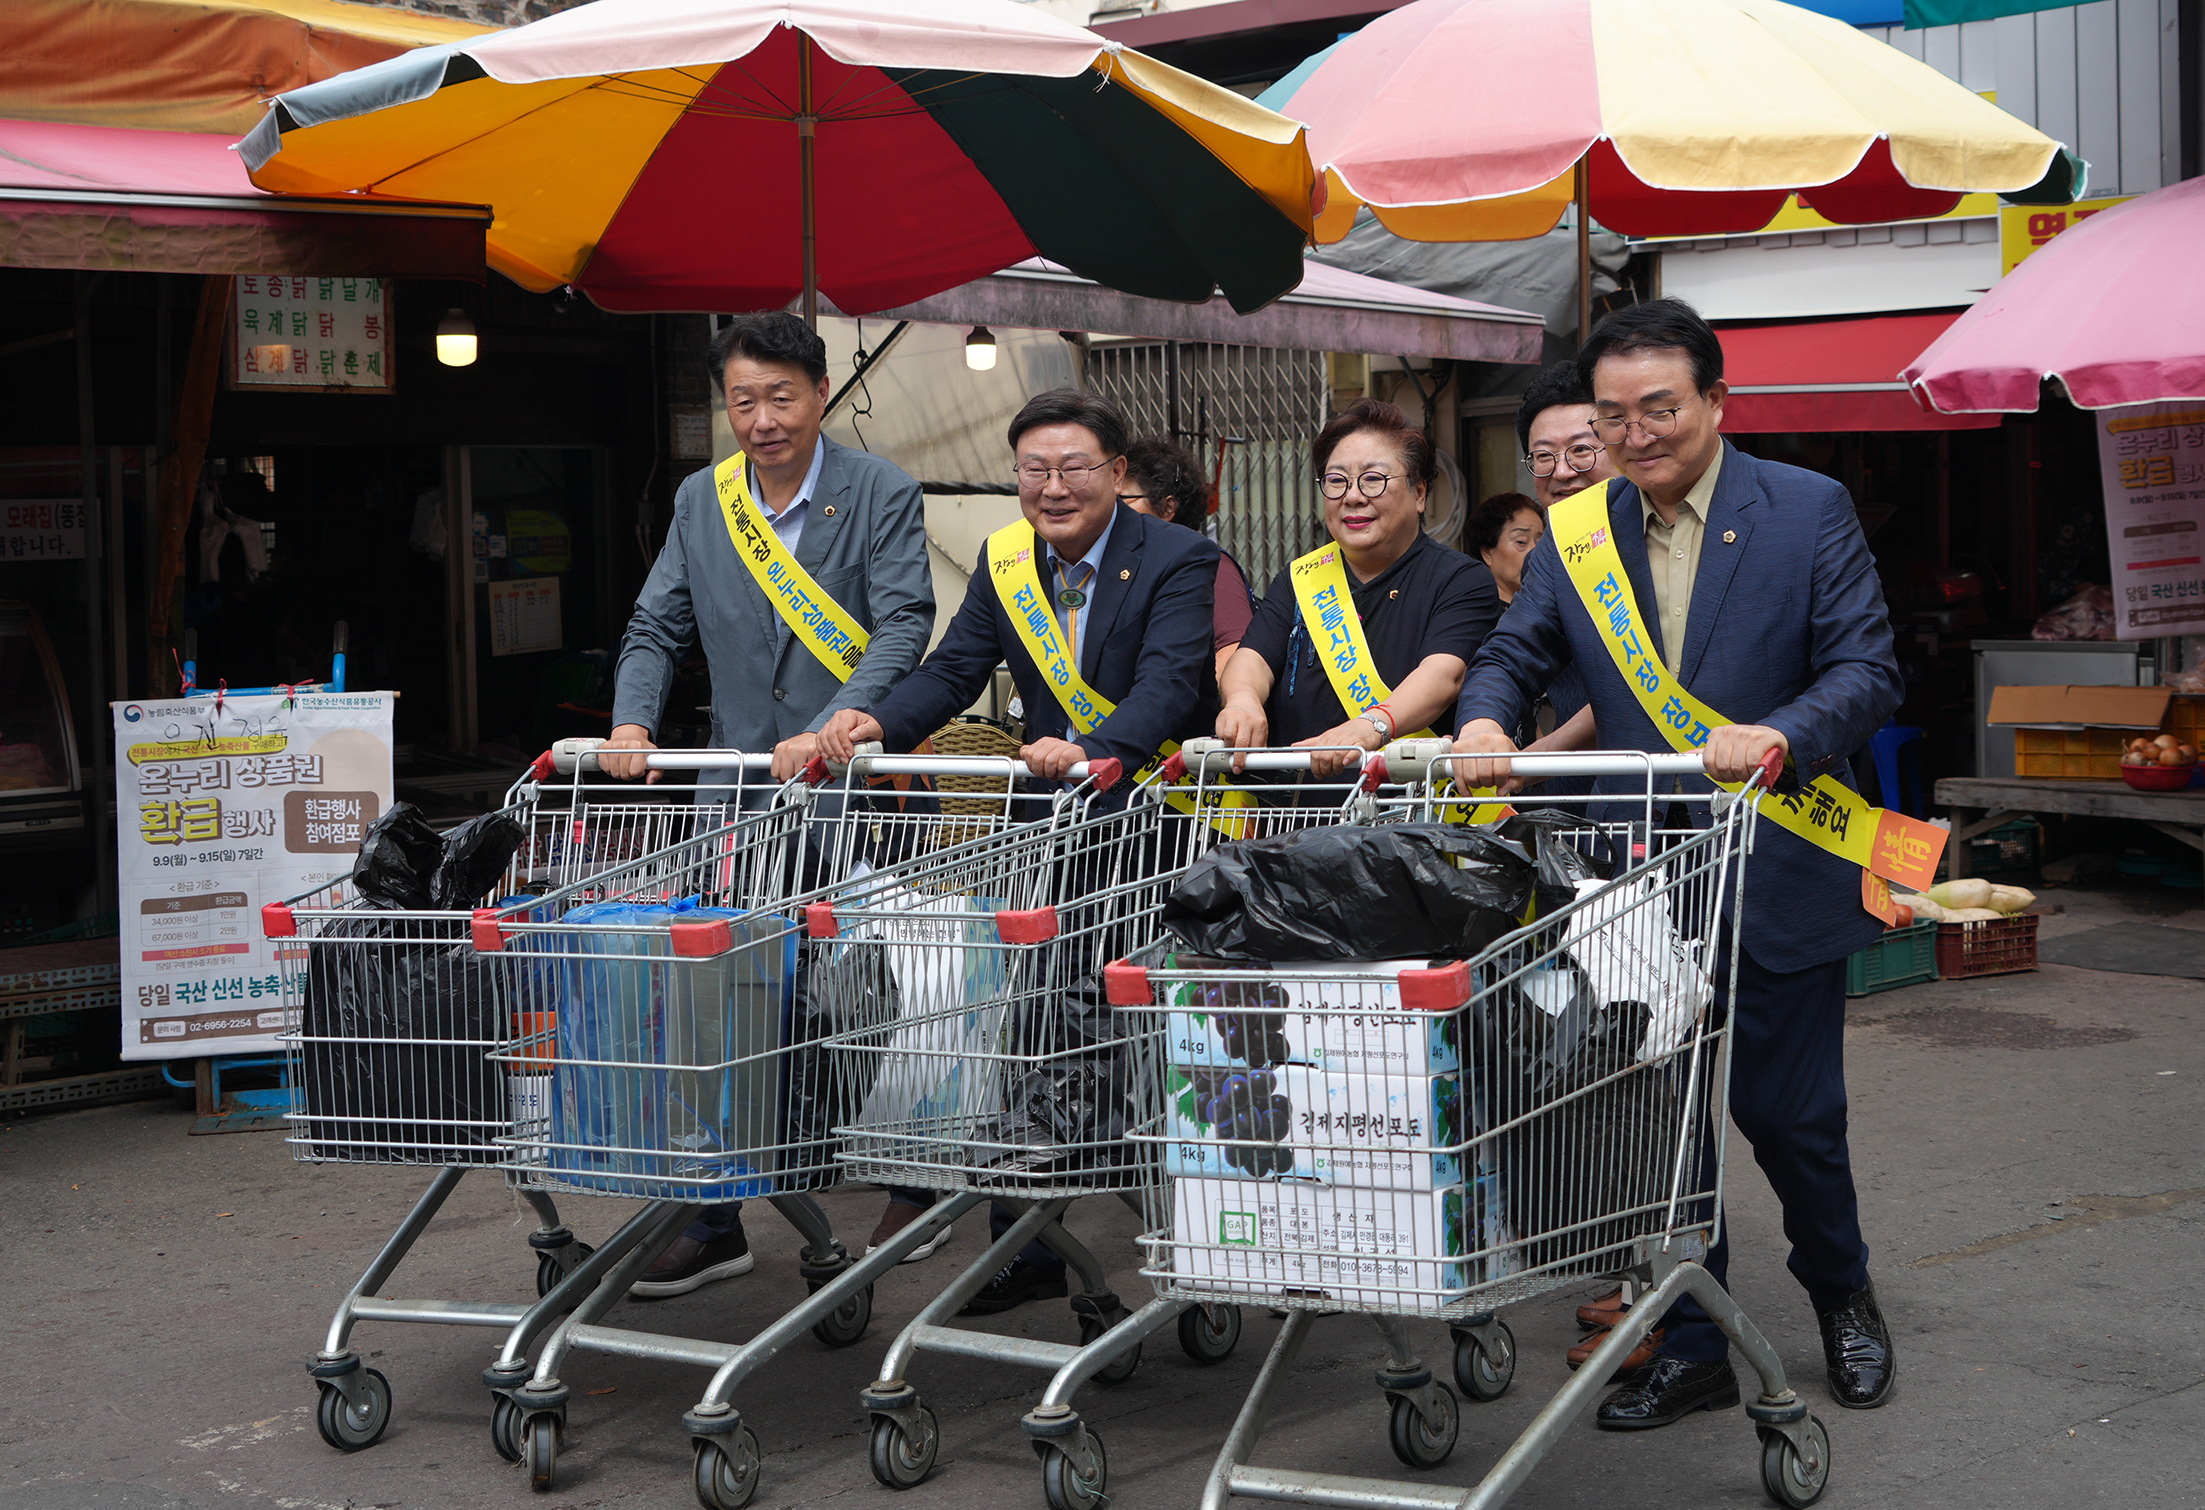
(391, 1019)
(997, 1069)
(688, 1067)
(1437, 1140)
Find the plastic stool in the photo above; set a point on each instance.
(1891, 742)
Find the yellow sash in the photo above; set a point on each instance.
(1014, 567)
(1336, 633)
(1889, 847)
(827, 629)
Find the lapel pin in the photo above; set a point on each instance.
(829, 511)
(1730, 537)
(1125, 574)
(1394, 594)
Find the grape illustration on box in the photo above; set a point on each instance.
(1255, 1036)
(1244, 1106)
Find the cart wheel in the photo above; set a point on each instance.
(1069, 1489)
(1208, 1334)
(726, 1480)
(1118, 1369)
(505, 1427)
(1791, 1479)
(540, 1432)
(901, 1461)
(848, 1322)
(1415, 1441)
(347, 1427)
(1484, 1374)
(549, 1271)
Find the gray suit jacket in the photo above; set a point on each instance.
(869, 555)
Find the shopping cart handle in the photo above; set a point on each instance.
(866, 760)
(1772, 775)
(584, 754)
(566, 757)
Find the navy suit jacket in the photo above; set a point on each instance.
(1787, 628)
(1147, 647)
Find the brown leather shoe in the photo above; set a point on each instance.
(1633, 1361)
(1604, 1312)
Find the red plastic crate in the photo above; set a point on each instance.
(1992, 946)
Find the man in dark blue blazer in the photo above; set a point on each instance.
(1132, 597)
(1764, 570)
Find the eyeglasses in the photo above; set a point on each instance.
(1581, 458)
(1034, 477)
(1652, 425)
(1370, 484)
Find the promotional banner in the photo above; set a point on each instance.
(2152, 458)
(220, 809)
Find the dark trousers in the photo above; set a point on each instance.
(1787, 1095)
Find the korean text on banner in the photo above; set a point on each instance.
(2152, 459)
(218, 814)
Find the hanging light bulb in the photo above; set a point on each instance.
(455, 340)
(980, 349)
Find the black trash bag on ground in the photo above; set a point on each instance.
(1383, 891)
(853, 996)
(471, 859)
(398, 860)
(1581, 1152)
(373, 984)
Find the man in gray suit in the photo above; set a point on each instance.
(831, 574)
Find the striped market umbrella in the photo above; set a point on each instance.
(741, 154)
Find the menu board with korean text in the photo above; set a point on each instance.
(314, 335)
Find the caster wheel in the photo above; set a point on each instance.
(1069, 1489)
(347, 1427)
(1484, 1374)
(1790, 1478)
(549, 1271)
(1208, 1334)
(901, 1461)
(1118, 1369)
(505, 1427)
(727, 1477)
(849, 1321)
(1415, 1441)
(540, 1434)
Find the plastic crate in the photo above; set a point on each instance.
(1902, 957)
(1993, 946)
(2013, 849)
(2071, 754)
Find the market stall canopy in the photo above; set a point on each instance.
(737, 154)
(191, 65)
(1824, 375)
(2111, 308)
(1330, 310)
(1467, 120)
(114, 200)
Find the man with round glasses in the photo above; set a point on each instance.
(1554, 423)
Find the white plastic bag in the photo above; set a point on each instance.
(1629, 949)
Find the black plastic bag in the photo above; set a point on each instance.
(1350, 891)
(847, 992)
(471, 858)
(415, 1010)
(398, 860)
(1580, 1152)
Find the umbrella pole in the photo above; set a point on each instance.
(807, 143)
(1584, 256)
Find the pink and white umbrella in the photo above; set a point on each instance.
(2113, 309)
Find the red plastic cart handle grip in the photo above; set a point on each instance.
(1771, 770)
(276, 921)
(489, 937)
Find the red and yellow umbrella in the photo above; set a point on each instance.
(735, 154)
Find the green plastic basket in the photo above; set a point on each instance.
(1902, 957)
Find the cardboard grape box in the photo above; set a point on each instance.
(1338, 1128)
(1397, 1248)
(1365, 1027)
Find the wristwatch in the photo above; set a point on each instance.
(1380, 721)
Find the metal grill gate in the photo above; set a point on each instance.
(1259, 407)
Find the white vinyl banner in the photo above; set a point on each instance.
(220, 810)
(2152, 458)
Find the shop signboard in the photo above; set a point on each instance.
(312, 335)
(223, 806)
(2152, 460)
(42, 529)
(2023, 229)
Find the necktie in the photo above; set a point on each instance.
(1072, 578)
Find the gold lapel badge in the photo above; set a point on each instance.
(1730, 537)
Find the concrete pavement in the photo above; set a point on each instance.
(2032, 1173)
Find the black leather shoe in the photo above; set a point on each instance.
(1669, 1390)
(1014, 1284)
(1856, 1346)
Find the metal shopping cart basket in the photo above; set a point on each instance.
(1435, 1140)
(995, 1068)
(392, 1017)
